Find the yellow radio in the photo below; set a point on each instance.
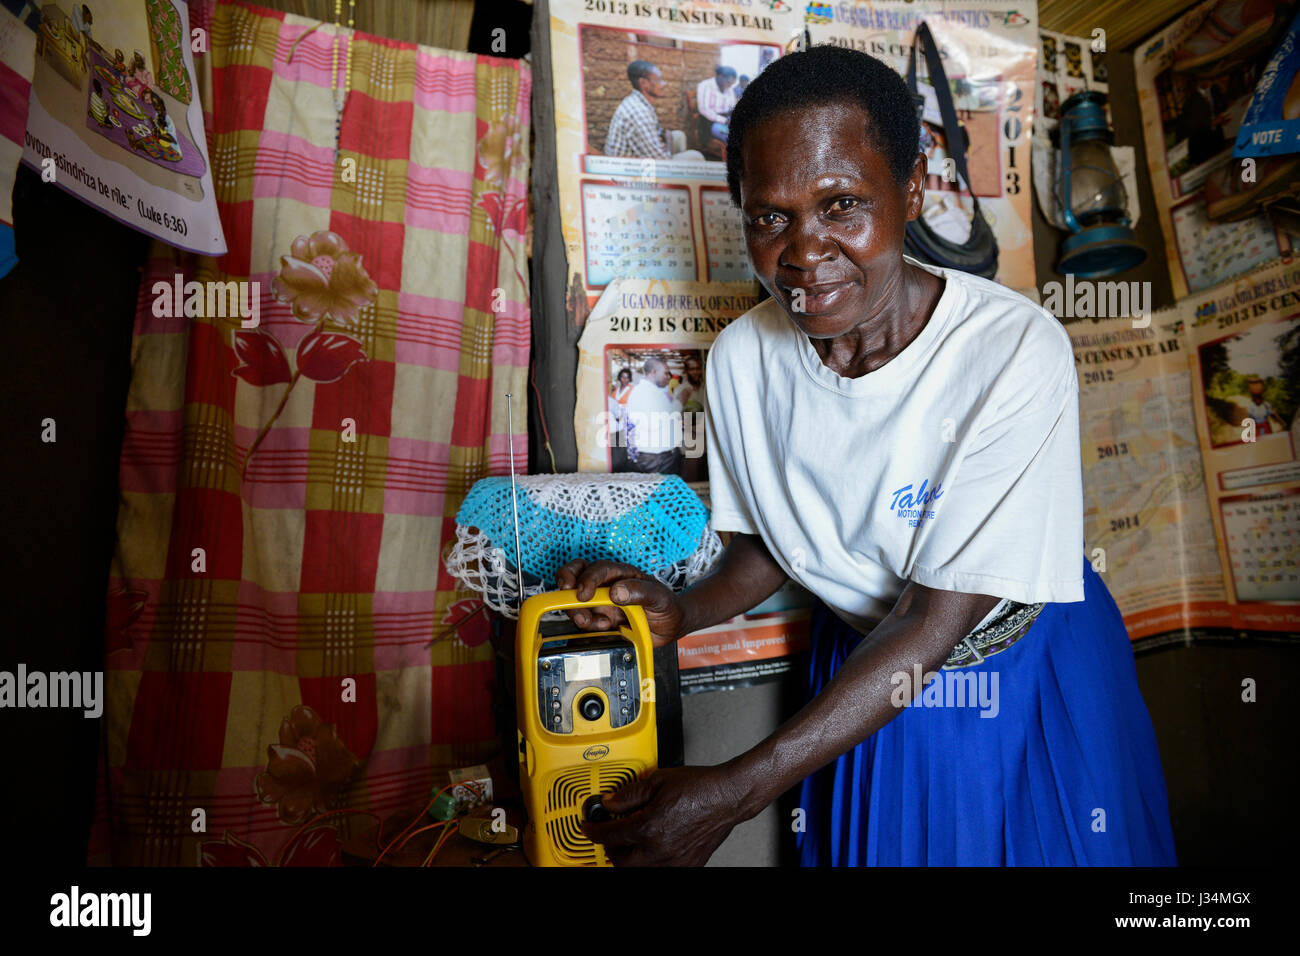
(586, 714)
(586, 723)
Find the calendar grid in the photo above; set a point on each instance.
(642, 231)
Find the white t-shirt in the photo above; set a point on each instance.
(655, 417)
(955, 465)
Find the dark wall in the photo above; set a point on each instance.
(67, 311)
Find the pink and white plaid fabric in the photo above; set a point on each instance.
(287, 490)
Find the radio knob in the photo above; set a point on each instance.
(591, 707)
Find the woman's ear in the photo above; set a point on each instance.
(916, 186)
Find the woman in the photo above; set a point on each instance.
(139, 79)
(903, 441)
(163, 126)
(623, 387)
(619, 393)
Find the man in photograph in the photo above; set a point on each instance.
(716, 99)
(634, 130)
(654, 423)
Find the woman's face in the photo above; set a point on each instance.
(824, 219)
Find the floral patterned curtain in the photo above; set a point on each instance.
(281, 643)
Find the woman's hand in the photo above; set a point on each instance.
(676, 817)
(628, 585)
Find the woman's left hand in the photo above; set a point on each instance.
(675, 817)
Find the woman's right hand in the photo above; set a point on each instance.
(628, 585)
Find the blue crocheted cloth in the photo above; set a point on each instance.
(657, 523)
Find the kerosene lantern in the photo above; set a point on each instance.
(1092, 195)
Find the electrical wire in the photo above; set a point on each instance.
(428, 860)
(541, 415)
(472, 785)
(423, 829)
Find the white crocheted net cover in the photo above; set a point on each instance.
(487, 566)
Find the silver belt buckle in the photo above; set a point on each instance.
(995, 636)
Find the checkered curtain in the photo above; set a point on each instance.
(279, 640)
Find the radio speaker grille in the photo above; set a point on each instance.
(564, 801)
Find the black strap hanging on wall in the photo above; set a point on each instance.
(979, 253)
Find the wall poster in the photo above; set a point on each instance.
(1191, 115)
(115, 119)
(1191, 475)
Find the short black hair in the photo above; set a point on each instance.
(829, 74)
(721, 70)
(638, 69)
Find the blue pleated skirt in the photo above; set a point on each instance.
(1067, 773)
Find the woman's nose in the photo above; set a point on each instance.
(807, 247)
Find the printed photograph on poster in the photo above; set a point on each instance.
(642, 357)
(656, 410)
(671, 101)
(114, 117)
(1246, 394)
(1194, 94)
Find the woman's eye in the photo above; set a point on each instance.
(845, 204)
(766, 219)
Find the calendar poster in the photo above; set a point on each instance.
(643, 92)
(989, 50)
(1190, 119)
(1244, 352)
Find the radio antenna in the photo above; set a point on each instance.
(514, 498)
